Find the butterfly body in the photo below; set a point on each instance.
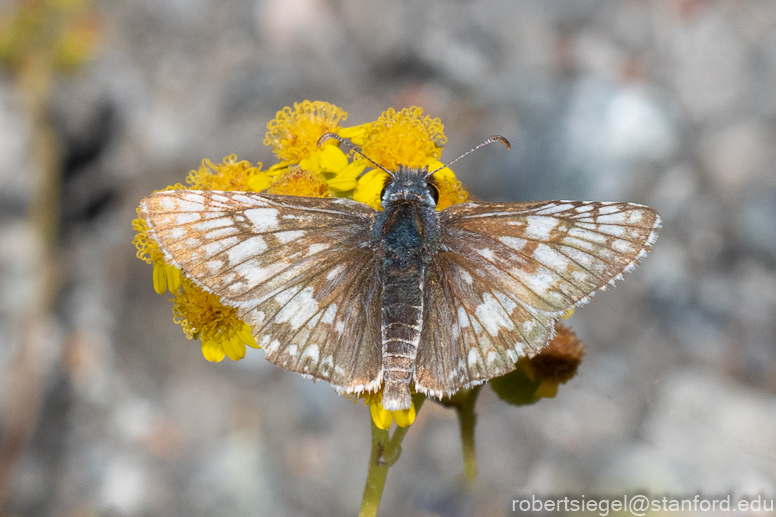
(407, 229)
(403, 297)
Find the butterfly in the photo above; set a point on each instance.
(404, 298)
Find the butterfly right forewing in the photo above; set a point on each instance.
(504, 272)
(300, 271)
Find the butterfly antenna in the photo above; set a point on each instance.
(335, 136)
(489, 140)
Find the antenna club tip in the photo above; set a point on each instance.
(495, 138)
(328, 136)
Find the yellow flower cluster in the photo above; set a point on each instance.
(406, 137)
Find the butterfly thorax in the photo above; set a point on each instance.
(407, 232)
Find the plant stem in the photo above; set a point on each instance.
(467, 419)
(385, 451)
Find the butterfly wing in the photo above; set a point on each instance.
(300, 271)
(505, 272)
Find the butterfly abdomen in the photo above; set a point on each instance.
(405, 254)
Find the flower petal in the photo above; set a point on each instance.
(332, 159)
(369, 187)
(212, 351)
(381, 417)
(405, 417)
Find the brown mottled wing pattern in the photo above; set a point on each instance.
(503, 274)
(300, 271)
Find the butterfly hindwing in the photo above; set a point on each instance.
(293, 267)
(503, 274)
(473, 330)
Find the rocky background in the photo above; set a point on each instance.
(106, 408)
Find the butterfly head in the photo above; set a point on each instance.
(410, 184)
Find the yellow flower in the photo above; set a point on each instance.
(300, 182)
(384, 418)
(294, 134)
(230, 175)
(409, 138)
(406, 137)
(203, 316)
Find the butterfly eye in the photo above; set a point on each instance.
(432, 189)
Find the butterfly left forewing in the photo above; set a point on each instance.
(293, 267)
(505, 271)
(551, 255)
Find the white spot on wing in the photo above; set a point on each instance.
(516, 243)
(486, 252)
(615, 230)
(169, 203)
(463, 318)
(215, 247)
(622, 246)
(187, 217)
(299, 309)
(311, 352)
(584, 208)
(221, 232)
(608, 210)
(318, 247)
(554, 209)
(283, 297)
(634, 216)
(551, 258)
(214, 223)
(618, 218)
(580, 276)
(539, 228)
(246, 249)
(491, 315)
(584, 234)
(474, 357)
(540, 281)
(263, 219)
(508, 304)
(290, 235)
(328, 316)
(335, 272)
(253, 274)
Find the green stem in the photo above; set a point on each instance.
(467, 419)
(378, 471)
(385, 451)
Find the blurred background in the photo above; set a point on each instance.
(106, 408)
